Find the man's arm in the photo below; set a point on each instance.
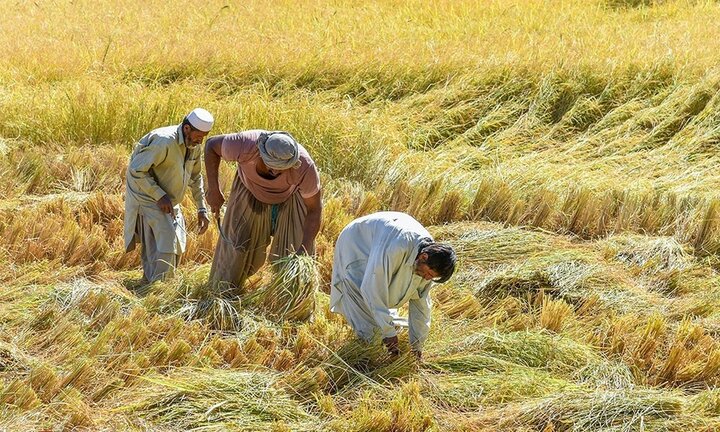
(198, 192)
(213, 148)
(197, 186)
(312, 222)
(419, 321)
(139, 177)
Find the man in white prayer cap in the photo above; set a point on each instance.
(383, 261)
(164, 163)
(275, 195)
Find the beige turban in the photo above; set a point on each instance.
(279, 150)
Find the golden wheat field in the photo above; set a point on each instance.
(568, 149)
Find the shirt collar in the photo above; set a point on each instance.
(416, 250)
(181, 137)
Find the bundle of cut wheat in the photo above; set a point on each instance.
(577, 410)
(290, 293)
(212, 399)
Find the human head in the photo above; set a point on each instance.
(196, 126)
(435, 261)
(279, 150)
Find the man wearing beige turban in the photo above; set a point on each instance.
(276, 193)
(164, 164)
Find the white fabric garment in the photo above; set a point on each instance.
(200, 119)
(156, 265)
(374, 272)
(160, 165)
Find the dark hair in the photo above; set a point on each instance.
(187, 122)
(441, 259)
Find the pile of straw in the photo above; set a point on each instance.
(579, 410)
(212, 399)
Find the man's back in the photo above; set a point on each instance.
(379, 231)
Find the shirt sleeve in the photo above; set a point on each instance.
(375, 284)
(310, 184)
(150, 152)
(197, 186)
(419, 319)
(239, 147)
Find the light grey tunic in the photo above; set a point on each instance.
(374, 272)
(161, 164)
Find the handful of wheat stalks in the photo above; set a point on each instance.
(290, 294)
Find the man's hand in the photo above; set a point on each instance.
(203, 222)
(302, 250)
(391, 343)
(418, 354)
(215, 200)
(165, 205)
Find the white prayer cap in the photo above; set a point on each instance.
(200, 119)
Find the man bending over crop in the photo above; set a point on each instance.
(164, 163)
(276, 193)
(383, 261)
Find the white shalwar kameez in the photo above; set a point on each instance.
(374, 273)
(161, 164)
